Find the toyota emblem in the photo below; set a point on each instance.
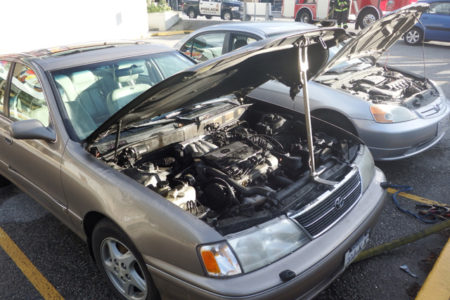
(338, 203)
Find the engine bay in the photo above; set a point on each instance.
(381, 85)
(232, 164)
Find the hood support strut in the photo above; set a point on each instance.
(303, 68)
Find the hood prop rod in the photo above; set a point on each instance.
(116, 143)
(303, 67)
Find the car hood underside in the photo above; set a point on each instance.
(236, 73)
(374, 40)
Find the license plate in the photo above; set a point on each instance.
(360, 244)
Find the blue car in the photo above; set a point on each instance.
(434, 25)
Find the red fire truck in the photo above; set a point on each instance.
(364, 12)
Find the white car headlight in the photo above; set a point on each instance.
(263, 244)
(366, 166)
(385, 113)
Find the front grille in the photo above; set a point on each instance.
(326, 210)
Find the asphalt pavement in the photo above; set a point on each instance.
(63, 259)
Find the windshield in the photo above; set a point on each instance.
(93, 93)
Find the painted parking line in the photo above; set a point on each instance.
(42, 285)
(437, 286)
(417, 198)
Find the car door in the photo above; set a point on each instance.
(5, 66)
(205, 7)
(437, 22)
(33, 165)
(216, 6)
(205, 46)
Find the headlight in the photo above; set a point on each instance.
(235, 8)
(366, 166)
(219, 260)
(384, 113)
(263, 244)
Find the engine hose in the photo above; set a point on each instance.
(405, 188)
(245, 191)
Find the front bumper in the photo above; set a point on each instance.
(405, 139)
(316, 264)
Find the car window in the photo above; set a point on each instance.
(4, 69)
(206, 46)
(171, 64)
(442, 8)
(26, 99)
(241, 40)
(93, 93)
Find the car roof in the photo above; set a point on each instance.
(432, 1)
(263, 29)
(83, 54)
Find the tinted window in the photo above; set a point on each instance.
(26, 99)
(207, 46)
(241, 40)
(4, 69)
(93, 93)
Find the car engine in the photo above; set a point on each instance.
(381, 85)
(228, 169)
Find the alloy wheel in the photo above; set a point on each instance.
(123, 269)
(412, 36)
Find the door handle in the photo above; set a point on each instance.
(8, 141)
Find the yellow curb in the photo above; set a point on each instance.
(175, 32)
(437, 284)
(417, 199)
(41, 284)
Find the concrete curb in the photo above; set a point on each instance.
(437, 285)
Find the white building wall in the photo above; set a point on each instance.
(288, 8)
(33, 24)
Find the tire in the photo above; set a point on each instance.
(367, 18)
(227, 15)
(192, 13)
(414, 36)
(208, 17)
(121, 264)
(304, 16)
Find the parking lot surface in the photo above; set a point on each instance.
(63, 259)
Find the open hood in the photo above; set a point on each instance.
(374, 40)
(237, 73)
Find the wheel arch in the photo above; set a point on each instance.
(224, 11)
(420, 29)
(307, 9)
(90, 220)
(363, 11)
(333, 117)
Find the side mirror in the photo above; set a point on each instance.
(31, 130)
